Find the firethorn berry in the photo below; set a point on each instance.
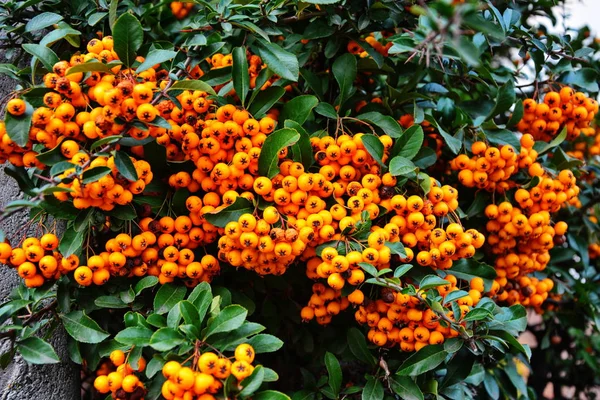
(16, 107)
(564, 109)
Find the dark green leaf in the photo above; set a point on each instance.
(110, 302)
(125, 166)
(373, 389)
(252, 383)
(167, 296)
(37, 351)
(82, 328)
(270, 395)
(42, 53)
(233, 212)
(401, 166)
(264, 343)
(358, 347)
(230, 318)
(406, 388)
(165, 339)
(335, 373)
(268, 161)
(423, 360)
(432, 281)
(94, 174)
(90, 66)
(241, 79)
(411, 141)
(374, 147)
(145, 283)
(389, 125)
(344, 71)
(299, 108)
(265, 100)
(134, 336)
(326, 110)
(193, 85)
(158, 56)
(70, 242)
(17, 128)
(278, 60)
(128, 37)
(42, 21)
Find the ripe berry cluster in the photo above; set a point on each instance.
(118, 378)
(561, 109)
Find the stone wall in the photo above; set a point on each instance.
(21, 381)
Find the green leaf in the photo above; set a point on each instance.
(423, 360)
(128, 37)
(70, 242)
(52, 156)
(264, 343)
(299, 108)
(134, 336)
(189, 312)
(201, 297)
(90, 66)
(165, 339)
(358, 347)
(158, 56)
(344, 71)
(406, 388)
(241, 79)
(268, 161)
(335, 373)
(233, 212)
(373, 389)
(389, 125)
(82, 328)
(402, 270)
(374, 147)
(230, 318)
(321, 1)
(513, 342)
(167, 296)
(252, 383)
(410, 143)
(125, 166)
(505, 99)
(47, 57)
(94, 174)
(145, 283)
(368, 268)
(42, 21)
(326, 110)
(110, 302)
(457, 294)
(17, 128)
(278, 60)
(265, 100)
(9, 308)
(432, 281)
(193, 85)
(468, 269)
(401, 166)
(37, 351)
(270, 395)
(302, 150)
(478, 314)
(543, 147)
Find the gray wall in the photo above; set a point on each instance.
(21, 381)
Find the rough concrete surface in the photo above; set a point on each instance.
(21, 381)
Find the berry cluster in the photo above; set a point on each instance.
(561, 109)
(207, 374)
(118, 378)
(401, 319)
(326, 302)
(38, 260)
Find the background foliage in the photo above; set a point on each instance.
(458, 70)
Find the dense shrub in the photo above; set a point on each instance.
(310, 199)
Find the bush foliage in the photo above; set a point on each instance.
(304, 199)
